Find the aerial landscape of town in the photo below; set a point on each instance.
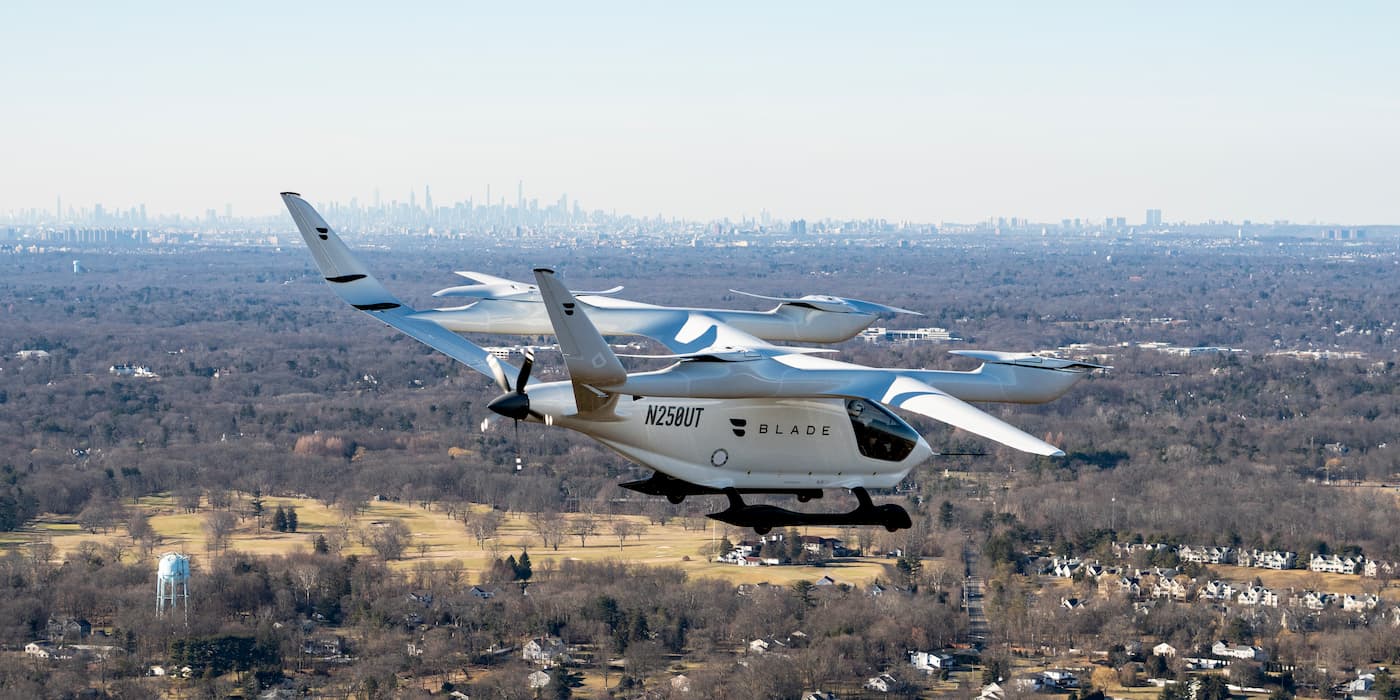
(350, 524)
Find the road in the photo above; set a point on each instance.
(972, 593)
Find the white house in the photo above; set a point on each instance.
(545, 650)
(883, 683)
(1239, 651)
(1258, 595)
(1375, 568)
(1313, 600)
(1170, 588)
(1333, 564)
(1206, 555)
(1267, 559)
(1061, 678)
(1164, 650)
(537, 680)
(930, 661)
(1218, 590)
(1360, 603)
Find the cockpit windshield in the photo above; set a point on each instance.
(879, 433)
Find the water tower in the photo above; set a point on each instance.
(173, 583)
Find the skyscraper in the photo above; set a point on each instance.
(428, 198)
(1154, 218)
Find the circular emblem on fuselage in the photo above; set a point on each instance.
(720, 457)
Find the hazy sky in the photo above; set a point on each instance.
(919, 111)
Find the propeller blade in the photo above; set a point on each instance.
(498, 372)
(524, 371)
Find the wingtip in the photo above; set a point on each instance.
(291, 194)
(1056, 453)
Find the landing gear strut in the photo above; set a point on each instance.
(763, 518)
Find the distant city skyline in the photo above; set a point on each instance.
(916, 112)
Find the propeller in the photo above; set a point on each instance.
(824, 302)
(513, 404)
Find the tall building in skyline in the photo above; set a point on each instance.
(1154, 218)
(428, 199)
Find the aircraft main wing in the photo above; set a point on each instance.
(352, 281)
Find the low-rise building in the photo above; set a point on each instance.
(546, 651)
(930, 661)
(1334, 564)
(1258, 595)
(1238, 651)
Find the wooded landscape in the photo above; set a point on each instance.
(268, 385)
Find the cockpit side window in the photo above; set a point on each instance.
(879, 433)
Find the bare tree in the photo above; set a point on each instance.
(389, 539)
(583, 527)
(218, 525)
(550, 526)
(622, 529)
(483, 526)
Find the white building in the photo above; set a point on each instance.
(1239, 651)
(930, 661)
(1333, 564)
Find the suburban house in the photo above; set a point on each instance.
(69, 629)
(547, 651)
(1360, 603)
(1164, 650)
(1267, 559)
(482, 593)
(46, 650)
(1239, 651)
(1375, 568)
(537, 680)
(1333, 564)
(1218, 590)
(1071, 603)
(1064, 567)
(1258, 595)
(930, 661)
(883, 683)
(1313, 600)
(1170, 588)
(1060, 678)
(815, 545)
(1206, 555)
(1128, 585)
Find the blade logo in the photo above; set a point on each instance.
(674, 416)
(775, 429)
(738, 424)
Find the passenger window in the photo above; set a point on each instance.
(879, 433)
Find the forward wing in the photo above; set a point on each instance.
(805, 376)
(917, 397)
(352, 281)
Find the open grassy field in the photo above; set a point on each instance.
(439, 540)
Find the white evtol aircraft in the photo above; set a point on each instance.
(735, 414)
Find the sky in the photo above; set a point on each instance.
(921, 111)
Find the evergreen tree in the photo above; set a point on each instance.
(522, 567)
(291, 519)
(321, 546)
(256, 504)
(279, 520)
(946, 514)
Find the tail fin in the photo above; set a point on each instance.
(352, 281)
(590, 361)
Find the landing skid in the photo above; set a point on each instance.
(763, 518)
(676, 490)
